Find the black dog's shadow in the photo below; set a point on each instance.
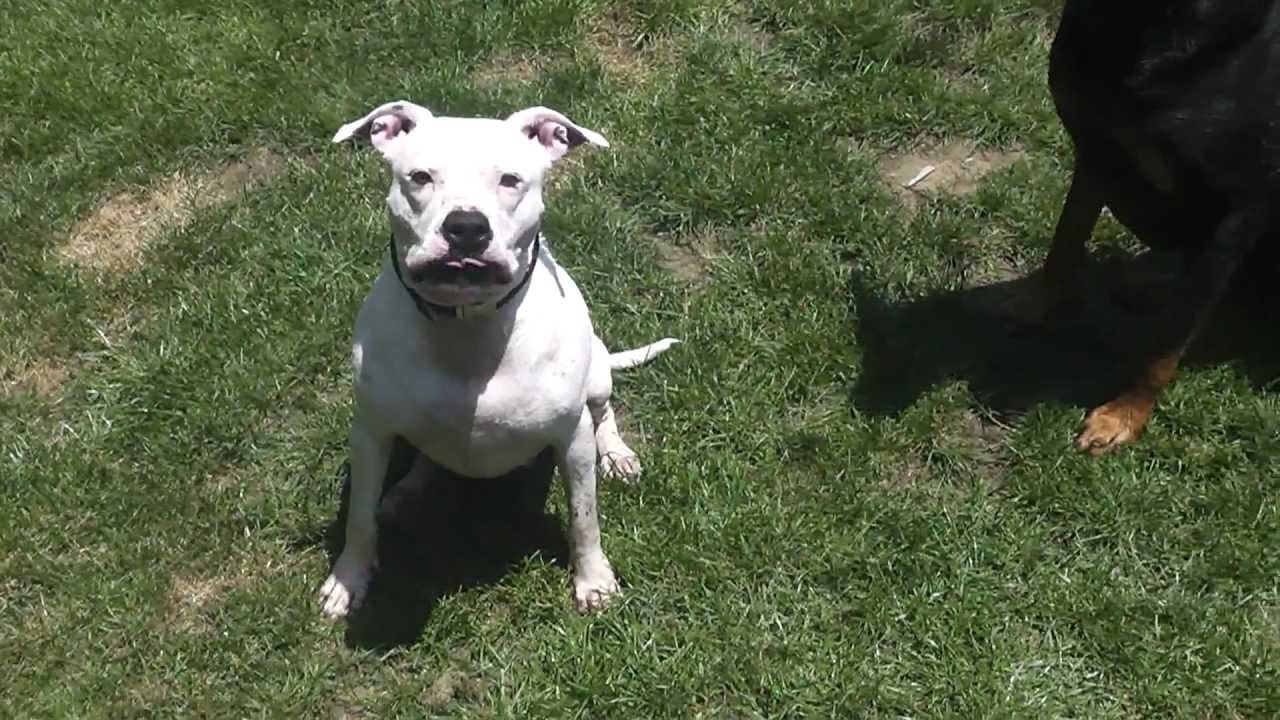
(444, 535)
(968, 335)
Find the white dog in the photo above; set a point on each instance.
(473, 344)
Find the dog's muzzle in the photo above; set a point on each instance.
(455, 268)
(459, 271)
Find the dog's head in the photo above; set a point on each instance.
(466, 193)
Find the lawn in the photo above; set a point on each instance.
(860, 496)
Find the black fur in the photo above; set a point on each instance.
(1174, 111)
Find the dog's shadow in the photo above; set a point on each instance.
(441, 534)
(971, 335)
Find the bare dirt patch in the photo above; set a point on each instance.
(964, 445)
(228, 181)
(451, 685)
(689, 258)
(114, 235)
(953, 168)
(43, 378)
(684, 263)
(973, 445)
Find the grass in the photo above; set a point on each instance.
(859, 497)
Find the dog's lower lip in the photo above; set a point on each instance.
(466, 262)
(463, 271)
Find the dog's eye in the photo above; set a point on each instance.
(509, 180)
(421, 177)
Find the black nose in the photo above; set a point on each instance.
(466, 231)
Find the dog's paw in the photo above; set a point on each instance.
(1109, 426)
(592, 591)
(624, 465)
(339, 598)
(345, 589)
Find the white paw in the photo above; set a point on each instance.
(593, 590)
(345, 589)
(623, 465)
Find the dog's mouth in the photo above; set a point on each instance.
(465, 271)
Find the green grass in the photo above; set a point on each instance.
(859, 498)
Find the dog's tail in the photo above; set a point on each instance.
(641, 355)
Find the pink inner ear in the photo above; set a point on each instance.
(385, 127)
(550, 133)
(554, 137)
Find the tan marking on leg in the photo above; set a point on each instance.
(1122, 420)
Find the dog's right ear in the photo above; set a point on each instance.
(385, 124)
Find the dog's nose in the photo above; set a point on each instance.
(466, 231)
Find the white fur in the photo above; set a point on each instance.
(484, 393)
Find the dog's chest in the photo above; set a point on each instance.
(475, 422)
(496, 410)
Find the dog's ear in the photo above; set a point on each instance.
(384, 124)
(555, 132)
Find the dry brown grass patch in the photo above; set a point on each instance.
(958, 168)
(900, 470)
(42, 377)
(192, 596)
(615, 41)
(114, 235)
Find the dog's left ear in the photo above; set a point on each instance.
(385, 123)
(556, 133)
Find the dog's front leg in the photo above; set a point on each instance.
(345, 589)
(1204, 280)
(1056, 290)
(593, 580)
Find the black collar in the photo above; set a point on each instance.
(430, 310)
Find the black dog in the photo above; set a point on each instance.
(1174, 110)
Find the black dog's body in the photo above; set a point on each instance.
(1174, 110)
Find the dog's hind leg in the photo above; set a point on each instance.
(616, 459)
(1205, 278)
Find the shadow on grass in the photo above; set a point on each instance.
(442, 533)
(967, 335)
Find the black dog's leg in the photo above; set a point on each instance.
(1057, 288)
(1204, 280)
(1075, 226)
